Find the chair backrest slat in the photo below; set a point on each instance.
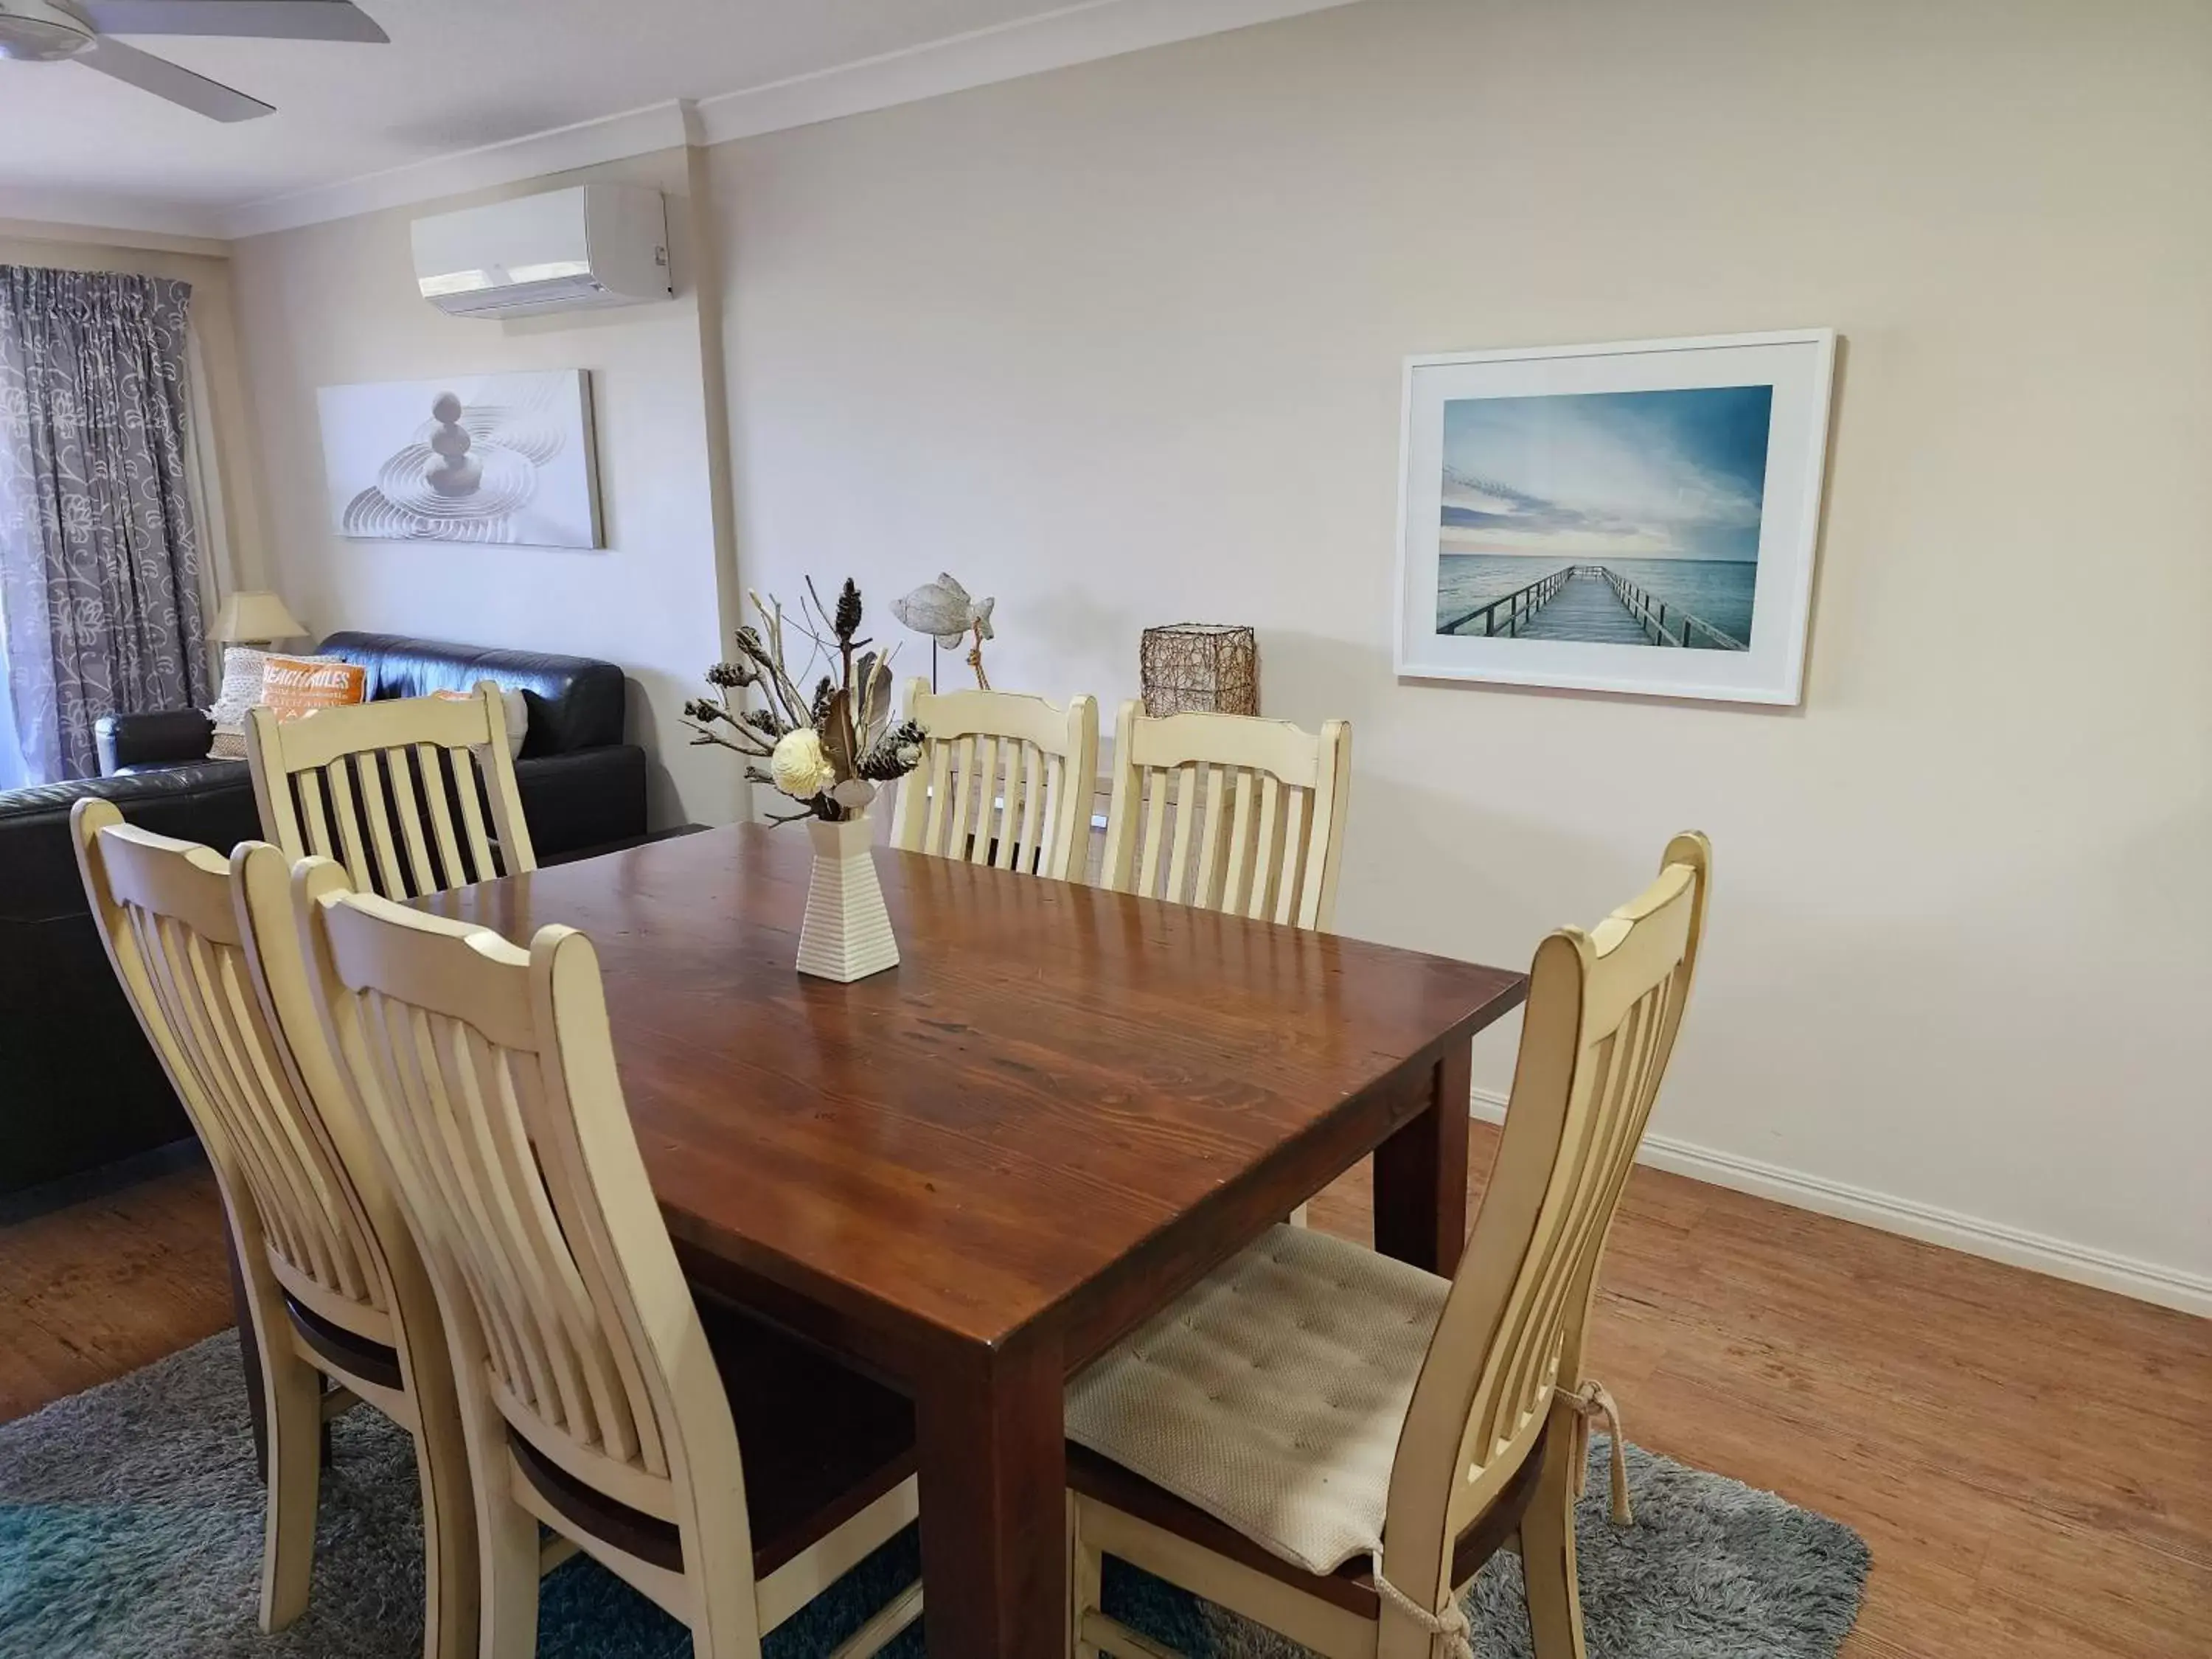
(1228, 813)
(1243, 854)
(1212, 823)
(475, 839)
(1604, 1010)
(1004, 781)
(427, 757)
(338, 777)
(937, 762)
(399, 766)
(1267, 865)
(306, 791)
(378, 785)
(1155, 814)
(1032, 764)
(963, 792)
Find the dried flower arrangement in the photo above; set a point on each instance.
(831, 752)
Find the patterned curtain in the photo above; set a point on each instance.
(99, 556)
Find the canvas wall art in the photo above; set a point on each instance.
(1637, 517)
(485, 458)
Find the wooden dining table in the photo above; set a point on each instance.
(969, 1174)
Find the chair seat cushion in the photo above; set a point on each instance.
(1271, 1395)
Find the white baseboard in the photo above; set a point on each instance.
(2146, 1281)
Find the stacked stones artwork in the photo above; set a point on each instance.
(501, 459)
(453, 475)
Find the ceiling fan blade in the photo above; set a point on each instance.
(264, 20)
(172, 81)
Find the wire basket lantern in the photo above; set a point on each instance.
(1207, 667)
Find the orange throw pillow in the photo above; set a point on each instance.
(292, 686)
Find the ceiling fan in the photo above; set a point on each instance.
(42, 31)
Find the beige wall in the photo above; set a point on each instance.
(234, 444)
(334, 303)
(1120, 345)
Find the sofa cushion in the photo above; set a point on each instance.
(575, 702)
(513, 704)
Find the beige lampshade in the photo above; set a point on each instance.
(256, 614)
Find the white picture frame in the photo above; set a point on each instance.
(1627, 483)
(522, 471)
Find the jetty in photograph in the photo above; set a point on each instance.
(1594, 603)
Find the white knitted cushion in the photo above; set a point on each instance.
(1272, 1393)
(518, 715)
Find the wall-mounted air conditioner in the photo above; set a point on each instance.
(561, 250)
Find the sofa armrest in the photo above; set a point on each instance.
(583, 798)
(161, 738)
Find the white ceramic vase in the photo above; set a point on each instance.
(847, 935)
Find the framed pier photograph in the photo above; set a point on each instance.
(1637, 517)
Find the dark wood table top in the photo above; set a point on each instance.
(1052, 1081)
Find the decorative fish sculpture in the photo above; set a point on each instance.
(943, 610)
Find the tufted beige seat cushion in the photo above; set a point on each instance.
(1272, 1393)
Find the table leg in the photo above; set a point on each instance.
(1421, 1174)
(994, 1479)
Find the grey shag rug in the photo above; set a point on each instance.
(131, 1529)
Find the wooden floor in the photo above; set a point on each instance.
(2031, 1462)
(108, 1285)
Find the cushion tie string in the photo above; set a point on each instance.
(1451, 1623)
(1590, 1403)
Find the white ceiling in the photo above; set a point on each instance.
(460, 76)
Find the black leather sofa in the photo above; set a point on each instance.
(79, 1088)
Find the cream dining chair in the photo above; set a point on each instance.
(338, 783)
(208, 954)
(1004, 780)
(1229, 812)
(1330, 1441)
(725, 1472)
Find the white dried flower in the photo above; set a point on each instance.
(800, 767)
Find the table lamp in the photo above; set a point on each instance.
(255, 617)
